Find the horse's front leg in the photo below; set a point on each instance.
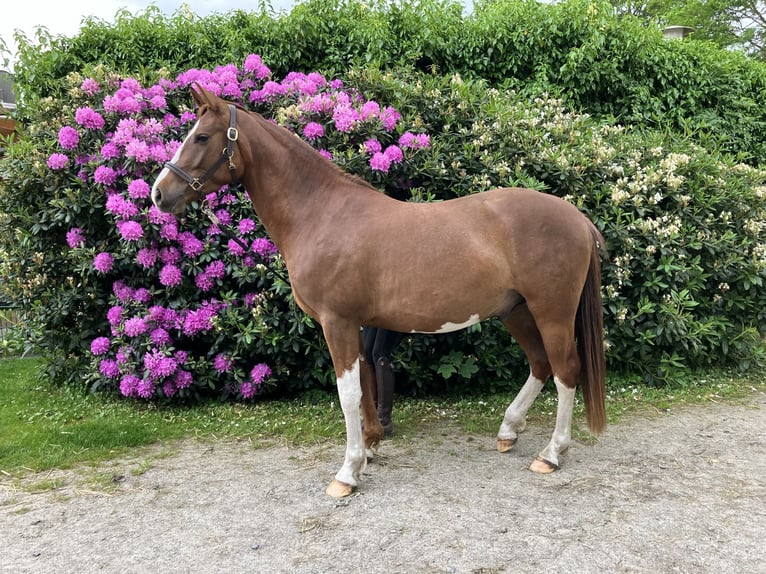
(345, 348)
(515, 419)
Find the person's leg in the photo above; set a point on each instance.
(385, 342)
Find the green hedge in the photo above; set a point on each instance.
(607, 66)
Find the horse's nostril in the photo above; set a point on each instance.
(156, 197)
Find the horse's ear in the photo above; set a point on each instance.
(199, 94)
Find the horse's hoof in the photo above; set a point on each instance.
(542, 466)
(338, 489)
(505, 444)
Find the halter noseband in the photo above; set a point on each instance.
(196, 183)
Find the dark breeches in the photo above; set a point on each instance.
(379, 344)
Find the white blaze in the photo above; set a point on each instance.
(165, 171)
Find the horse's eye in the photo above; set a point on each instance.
(201, 138)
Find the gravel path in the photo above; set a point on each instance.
(678, 492)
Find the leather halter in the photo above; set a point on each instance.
(197, 183)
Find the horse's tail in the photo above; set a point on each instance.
(589, 330)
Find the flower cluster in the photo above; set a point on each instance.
(177, 324)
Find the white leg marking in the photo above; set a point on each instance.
(514, 420)
(448, 327)
(165, 171)
(350, 393)
(562, 433)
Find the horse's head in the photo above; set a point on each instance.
(206, 159)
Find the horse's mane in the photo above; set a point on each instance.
(298, 144)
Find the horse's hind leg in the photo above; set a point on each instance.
(522, 326)
(372, 430)
(562, 353)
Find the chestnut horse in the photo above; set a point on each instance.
(357, 257)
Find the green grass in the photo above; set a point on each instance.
(44, 428)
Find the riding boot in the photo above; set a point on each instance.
(384, 375)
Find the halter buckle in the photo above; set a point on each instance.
(196, 184)
(232, 134)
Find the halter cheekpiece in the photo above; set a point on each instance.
(197, 183)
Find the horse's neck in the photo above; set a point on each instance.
(287, 183)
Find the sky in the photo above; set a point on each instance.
(63, 17)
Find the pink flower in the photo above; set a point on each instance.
(372, 146)
(190, 244)
(139, 189)
(109, 368)
(145, 388)
(130, 230)
(389, 116)
(89, 118)
(260, 372)
(203, 281)
(313, 131)
(199, 320)
(99, 346)
(394, 153)
(110, 150)
(147, 256)
(235, 248)
(158, 103)
(223, 216)
(135, 326)
(216, 269)
(122, 291)
(407, 139)
(252, 62)
(169, 388)
(160, 336)
(370, 110)
(264, 247)
(129, 385)
(139, 150)
(68, 137)
(57, 161)
(103, 262)
(222, 363)
(380, 162)
(158, 366)
(75, 237)
(249, 388)
(246, 225)
(169, 230)
(183, 379)
(255, 66)
(142, 295)
(170, 275)
(90, 86)
(345, 118)
(114, 315)
(158, 217)
(170, 255)
(105, 175)
(120, 206)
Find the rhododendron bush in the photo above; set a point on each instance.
(192, 305)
